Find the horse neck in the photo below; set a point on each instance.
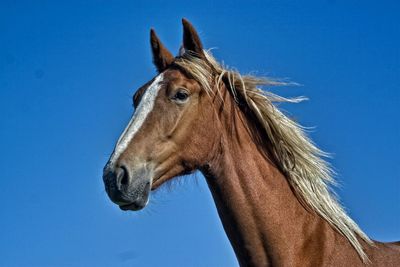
(264, 220)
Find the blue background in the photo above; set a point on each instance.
(67, 74)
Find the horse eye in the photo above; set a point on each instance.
(181, 96)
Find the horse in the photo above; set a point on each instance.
(271, 184)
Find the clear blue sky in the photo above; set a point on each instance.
(67, 73)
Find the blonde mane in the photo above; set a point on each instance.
(296, 155)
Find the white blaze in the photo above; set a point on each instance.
(145, 107)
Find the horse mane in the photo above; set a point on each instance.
(300, 160)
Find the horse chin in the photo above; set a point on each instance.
(132, 206)
(137, 204)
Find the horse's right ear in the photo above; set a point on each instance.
(162, 58)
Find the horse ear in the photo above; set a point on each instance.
(191, 40)
(162, 58)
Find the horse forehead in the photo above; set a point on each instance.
(141, 91)
(175, 76)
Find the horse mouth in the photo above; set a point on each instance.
(132, 206)
(139, 203)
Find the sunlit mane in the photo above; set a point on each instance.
(296, 155)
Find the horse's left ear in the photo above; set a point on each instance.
(191, 39)
(162, 58)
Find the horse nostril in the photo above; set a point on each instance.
(122, 176)
(125, 178)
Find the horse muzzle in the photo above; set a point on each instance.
(129, 189)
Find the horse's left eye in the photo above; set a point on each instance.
(181, 96)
